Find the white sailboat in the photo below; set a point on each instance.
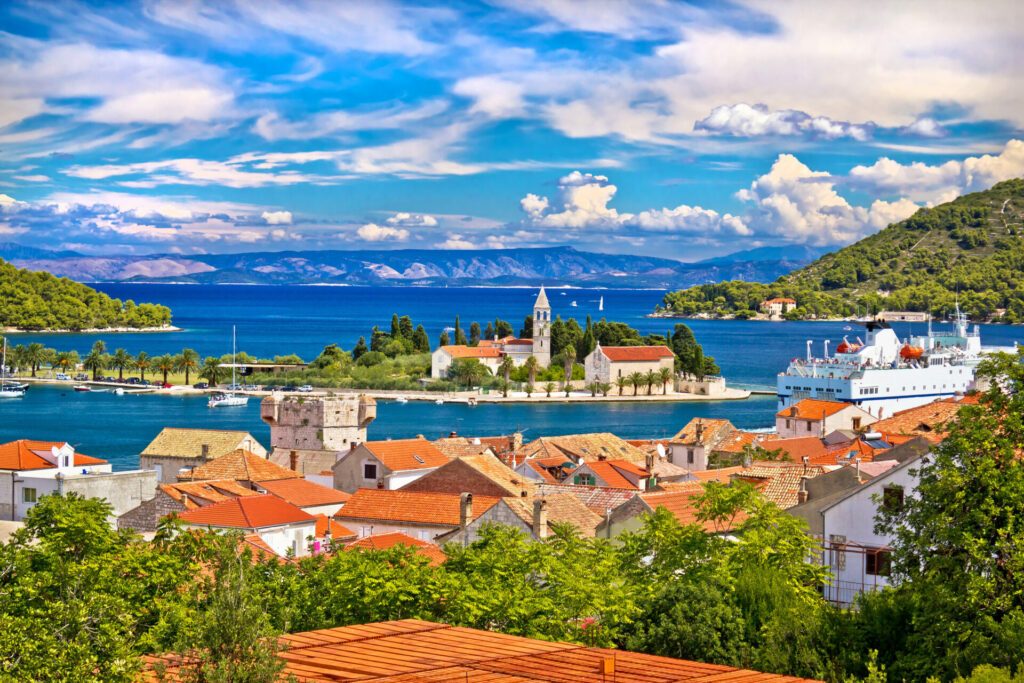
(600, 304)
(223, 400)
(8, 390)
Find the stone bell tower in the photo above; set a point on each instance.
(542, 329)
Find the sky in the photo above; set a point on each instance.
(653, 127)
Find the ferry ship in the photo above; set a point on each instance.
(883, 375)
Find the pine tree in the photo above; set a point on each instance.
(420, 340)
(360, 348)
(474, 333)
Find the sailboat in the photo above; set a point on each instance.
(221, 400)
(600, 304)
(8, 390)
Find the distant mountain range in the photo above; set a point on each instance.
(494, 267)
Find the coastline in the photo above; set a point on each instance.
(93, 330)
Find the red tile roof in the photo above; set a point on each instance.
(613, 472)
(24, 454)
(636, 354)
(385, 541)
(198, 493)
(407, 454)
(780, 300)
(407, 506)
(797, 447)
(683, 506)
(813, 409)
(259, 549)
(240, 465)
(923, 420)
(339, 532)
(722, 474)
(304, 493)
(472, 351)
(411, 651)
(779, 482)
(257, 512)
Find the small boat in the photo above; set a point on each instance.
(439, 401)
(94, 390)
(8, 390)
(573, 303)
(119, 391)
(600, 304)
(81, 387)
(401, 399)
(221, 400)
(847, 328)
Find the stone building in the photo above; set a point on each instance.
(175, 449)
(386, 464)
(609, 363)
(307, 433)
(777, 307)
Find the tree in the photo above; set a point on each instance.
(359, 349)
(444, 340)
(95, 362)
(467, 371)
(507, 364)
(211, 370)
(650, 379)
(502, 328)
(526, 331)
(396, 329)
(568, 360)
(503, 387)
(165, 364)
(119, 361)
(622, 382)
(474, 333)
(594, 388)
(548, 388)
(66, 360)
(35, 354)
(405, 330)
(460, 337)
(636, 380)
(665, 375)
(331, 357)
(188, 361)
(531, 366)
(142, 363)
(488, 332)
(529, 389)
(420, 340)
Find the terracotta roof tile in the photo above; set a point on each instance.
(410, 507)
(683, 506)
(779, 482)
(722, 474)
(797, 447)
(711, 431)
(813, 409)
(384, 541)
(636, 354)
(920, 421)
(255, 512)
(407, 454)
(339, 532)
(188, 443)
(598, 498)
(460, 446)
(240, 465)
(205, 492)
(472, 351)
(304, 493)
(561, 509)
(586, 447)
(613, 472)
(25, 454)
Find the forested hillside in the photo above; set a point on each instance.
(972, 247)
(40, 301)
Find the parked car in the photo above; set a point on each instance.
(64, 378)
(306, 388)
(133, 380)
(235, 387)
(145, 382)
(166, 385)
(81, 377)
(201, 385)
(289, 387)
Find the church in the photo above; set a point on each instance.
(491, 352)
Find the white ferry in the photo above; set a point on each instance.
(883, 375)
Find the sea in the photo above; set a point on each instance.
(280, 320)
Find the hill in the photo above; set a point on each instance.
(971, 248)
(41, 301)
(489, 267)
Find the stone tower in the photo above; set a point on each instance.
(309, 433)
(542, 329)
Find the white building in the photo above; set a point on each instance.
(282, 526)
(386, 464)
(777, 307)
(442, 359)
(813, 417)
(609, 363)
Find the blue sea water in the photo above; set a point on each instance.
(274, 320)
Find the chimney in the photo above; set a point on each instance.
(540, 518)
(293, 461)
(802, 495)
(608, 665)
(517, 441)
(806, 459)
(465, 509)
(858, 470)
(452, 434)
(649, 462)
(700, 431)
(205, 451)
(792, 411)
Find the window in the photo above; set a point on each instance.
(787, 424)
(892, 498)
(877, 562)
(369, 470)
(808, 425)
(856, 423)
(689, 456)
(584, 479)
(28, 495)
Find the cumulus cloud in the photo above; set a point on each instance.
(493, 96)
(799, 205)
(412, 220)
(456, 241)
(942, 182)
(371, 232)
(690, 219)
(744, 120)
(277, 217)
(925, 127)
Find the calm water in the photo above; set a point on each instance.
(279, 320)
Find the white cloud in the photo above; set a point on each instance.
(412, 220)
(744, 120)
(371, 232)
(19, 109)
(942, 182)
(799, 205)
(272, 127)
(689, 219)
(194, 172)
(277, 217)
(925, 127)
(630, 19)
(456, 241)
(492, 96)
(35, 178)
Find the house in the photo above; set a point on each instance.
(32, 469)
(435, 556)
(582, 448)
(282, 526)
(421, 515)
(481, 475)
(779, 482)
(616, 474)
(681, 503)
(694, 445)
(609, 363)
(179, 497)
(310, 497)
(841, 509)
(814, 417)
(459, 446)
(777, 307)
(175, 449)
(551, 470)
(386, 464)
(926, 421)
(533, 517)
(241, 465)
(309, 433)
(442, 359)
(414, 650)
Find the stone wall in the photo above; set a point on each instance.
(147, 516)
(123, 490)
(317, 423)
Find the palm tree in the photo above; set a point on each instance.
(506, 367)
(188, 361)
(35, 354)
(593, 388)
(665, 375)
(622, 383)
(531, 366)
(142, 363)
(66, 360)
(637, 380)
(164, 364)
(211, 370)
(119, 361)
(99, 346)
(529, 389)
(605, 388)
(467, 371)
(16, 357)
(568, 360)
(95, 361)
(504, 384)
(650, 379)
(549, 387)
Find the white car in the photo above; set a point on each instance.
(306, 388)
(64, 378)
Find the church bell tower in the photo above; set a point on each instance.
(542, 329)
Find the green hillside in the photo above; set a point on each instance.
(972, 246)
(40, 301)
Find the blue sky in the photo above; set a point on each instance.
(654, 127)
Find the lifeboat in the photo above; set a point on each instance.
(908, 352)
(846, 346)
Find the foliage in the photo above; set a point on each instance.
(40, 301)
